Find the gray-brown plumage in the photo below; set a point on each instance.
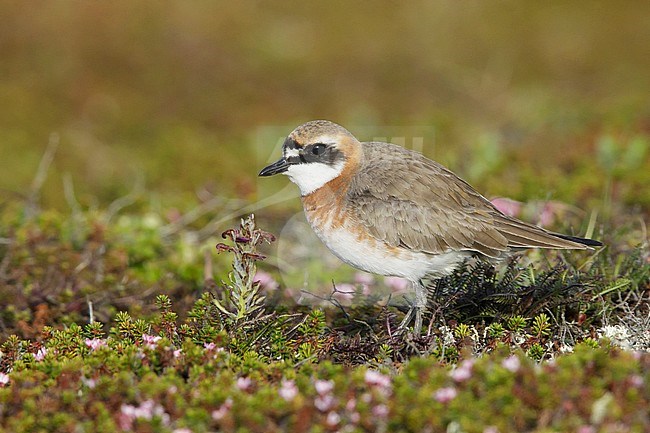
(408, 200)
(391, 211)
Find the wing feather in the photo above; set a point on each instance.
(407, 200)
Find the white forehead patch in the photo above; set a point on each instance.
(288, 152)
(312, 176)
(327, 139)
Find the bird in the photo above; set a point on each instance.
(388, 210)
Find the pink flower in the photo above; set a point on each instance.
(95, 343)
(375, 378)
(380, 411)
(324, 386)
(266, 280)
(4, 379)
(511, 363)
(547, 216)
(147, 410)
(351, 404)
(40, 355)
(212, 348)
(364, 278)
(332, 419)
(460, 374)
(490, 429)
(507, 206)
(150, 341)
(209, 346)
(463, 371)
(223, 410)
(288, 390)
(586, 429)
(324, 402)
(125, 420)
(636, 380)
(344, 292)
(90, 383)
(177, 353)
(445, 395)
(244, 383)
(396, 284)
(182, 430)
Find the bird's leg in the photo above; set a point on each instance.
(417, 329)
(420, 305)
(416, 311)
(407, 319)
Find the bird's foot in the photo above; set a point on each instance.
(413, 312)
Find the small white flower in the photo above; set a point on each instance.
(565, 348)
(448, 338)
(4, 379)
(618, 334)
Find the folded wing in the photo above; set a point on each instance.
(410, 201)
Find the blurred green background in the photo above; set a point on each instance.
(531, 100)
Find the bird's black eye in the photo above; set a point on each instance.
(318, 149)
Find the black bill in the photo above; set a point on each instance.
(279, 166)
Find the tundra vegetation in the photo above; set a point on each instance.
(138, 293)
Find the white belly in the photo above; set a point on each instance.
(372, 256)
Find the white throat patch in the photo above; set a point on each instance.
(312, 176)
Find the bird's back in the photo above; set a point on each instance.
(410, 201)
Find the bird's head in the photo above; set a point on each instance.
(314, 154)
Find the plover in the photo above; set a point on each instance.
(391, 211)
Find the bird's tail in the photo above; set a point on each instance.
(583, 241)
